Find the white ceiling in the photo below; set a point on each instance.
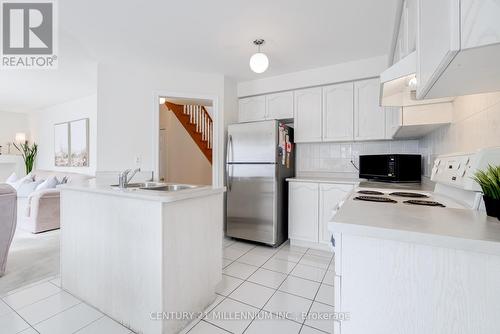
(216, 35)
(205, 36)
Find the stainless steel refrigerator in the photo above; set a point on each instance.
(260, 156)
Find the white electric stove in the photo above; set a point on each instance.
(455, 187)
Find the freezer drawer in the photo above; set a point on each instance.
(251, 202)
(252, 142)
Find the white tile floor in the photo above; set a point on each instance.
(43, 307)
(279, 287)
(276, 291)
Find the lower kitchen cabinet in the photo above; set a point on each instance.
(330, 197)
(303, 207)
(311, 206)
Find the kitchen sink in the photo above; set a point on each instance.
(157, 186)
(169, 187)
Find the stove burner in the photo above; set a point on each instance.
(375, 199)
(370, 192)
(425, 203)
(406, 194)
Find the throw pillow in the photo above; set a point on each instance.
(50, 183)
(27, 179)
(12, 178)
(25, 189)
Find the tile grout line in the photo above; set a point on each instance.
(277, 289)
(90, 323)
(25, 287)
(287, 275)
(202, 318)
(246, 280)
(316, 295)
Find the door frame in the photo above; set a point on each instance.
(218, 133)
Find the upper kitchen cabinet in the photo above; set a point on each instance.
(279, 106)
(458, 47)
(307, 115)
(338, 106)
(369, 117)
(480, 23)
(252, 109)
(406, 32)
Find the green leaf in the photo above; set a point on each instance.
(489, 181)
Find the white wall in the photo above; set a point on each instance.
(354, 70)
(185, 162)
(10, 124)
(126, 117)
(42, 129)
(476, 124)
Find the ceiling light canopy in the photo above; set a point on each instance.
(259, 61)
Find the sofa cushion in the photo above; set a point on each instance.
(26, 188)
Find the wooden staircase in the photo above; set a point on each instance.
(198, 123)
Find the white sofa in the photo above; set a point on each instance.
(7, 222)
(39, 211)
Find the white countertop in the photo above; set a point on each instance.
(442, 227)
(150, 195)
(425, 185)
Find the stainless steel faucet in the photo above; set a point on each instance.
(124, 179)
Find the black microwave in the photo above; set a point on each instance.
(391, 167)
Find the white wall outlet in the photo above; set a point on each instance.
(137, 160)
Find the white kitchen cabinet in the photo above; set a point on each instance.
(458, 47)
(307, 115)
(406, 34)
(303, 211)
(338, 116)
(480, 22)
(330, 197)
(369, 117)
(279, 106)
(252, 109)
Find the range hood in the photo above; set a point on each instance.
(398, 84)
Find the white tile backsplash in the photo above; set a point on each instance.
(334, 158)
(476, 124)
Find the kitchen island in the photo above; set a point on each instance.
(414, 269)
(130, 253)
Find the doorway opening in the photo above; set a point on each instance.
(186, 140)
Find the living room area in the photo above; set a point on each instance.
(47, 138)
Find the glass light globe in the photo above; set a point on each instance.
(259, 62)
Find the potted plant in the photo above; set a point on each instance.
(489, 180)
(29, 153)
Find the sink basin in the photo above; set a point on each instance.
(130, 185)
(169, 187)
(157, 186)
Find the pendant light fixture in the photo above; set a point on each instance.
(259, 61)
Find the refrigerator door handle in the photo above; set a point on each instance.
(228, 150)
